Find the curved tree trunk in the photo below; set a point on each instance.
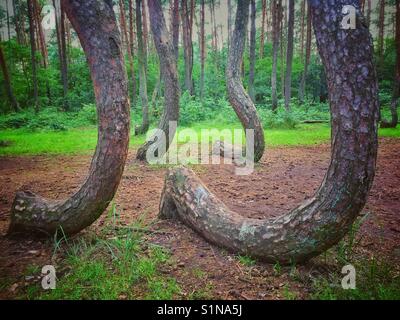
(169, 71)
(238, 97)
(322, 221)
(95, 24)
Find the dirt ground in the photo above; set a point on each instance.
(284, 178)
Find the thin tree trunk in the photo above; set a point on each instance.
(94, 22)
(229, 22)
(252, 50)
(8, 21)
(168, 66)
(369, 13)
(128, 50)
(381, 31)
(64, 65)
(276, 8)
(289, 56)
(175, 28)
(202, 47)
(323, 220)
(396, 87)
(7, 81)
(188, 47)
(142, 72)
(302, 89)
(239, 99)
(33, 54)
(263, 18)
(64, 80)
(302, 18)
(145, 31)
(282, 49)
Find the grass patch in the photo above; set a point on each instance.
(115, 264)
(83, 141)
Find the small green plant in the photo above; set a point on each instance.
(246, 260)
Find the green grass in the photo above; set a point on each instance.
(83, 141)
(109, 268)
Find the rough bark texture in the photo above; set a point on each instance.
(95, 23)
(142, 72)
(322, 221)
(289, 56)
(7, 81)
(238, 97)
(169, 71)
(252, 49)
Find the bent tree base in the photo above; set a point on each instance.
(322, 221)
(95, 23)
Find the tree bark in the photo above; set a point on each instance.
(128, 38)
(202, 47)
(302, 89)
(262, 36)
(169, 71)
(396, 87)
(322, 221)
(64, 65)
(142, 72)
(289, 56)
(239, 99)
(381, 31)
(62, 59)
(252, 50)
(276, 8)
(95, 23)
(175, 28)
(7, 82)
(187, 46)
(33, 54)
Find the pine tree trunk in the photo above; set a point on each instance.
(289, 56)
(262, 36)
(239, 99)
(323, 220)
(302, 89)
(94, 22)
(33, 55)
(175, 28)
(202, 47)
(252, 50)
(128, 49)
(187, 46)
(142, 72)
(396, 87)
(276, 9)
(169, 71)
(7, 82)
(381, 31)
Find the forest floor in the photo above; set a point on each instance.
(195, 269)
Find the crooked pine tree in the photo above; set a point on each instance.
(323, 220)
(95, 23)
